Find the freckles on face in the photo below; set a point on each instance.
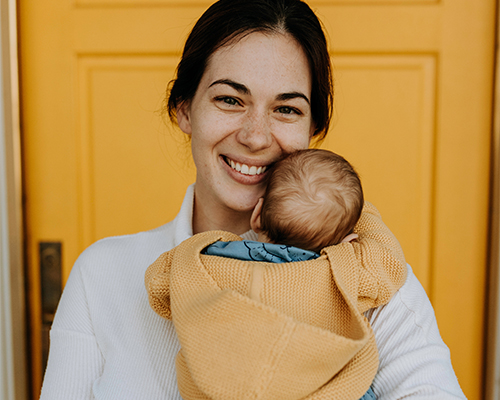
(266, 79)
(251, 108)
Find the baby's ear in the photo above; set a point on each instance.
(255, 218)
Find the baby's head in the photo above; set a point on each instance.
(313, 200)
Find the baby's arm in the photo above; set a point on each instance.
(157, 282)
(381, 260)
(373, 266)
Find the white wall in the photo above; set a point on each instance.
(13, 371)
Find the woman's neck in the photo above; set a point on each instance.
(209, 217)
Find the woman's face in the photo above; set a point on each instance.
(251, 108)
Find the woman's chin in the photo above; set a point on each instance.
(244, 206)
(243, 201)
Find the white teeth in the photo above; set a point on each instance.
(245, 169)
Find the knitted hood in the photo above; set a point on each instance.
(255, 330)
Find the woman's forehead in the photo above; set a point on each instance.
(272, 60)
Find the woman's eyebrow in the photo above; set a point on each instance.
(292, 95)
(235, 85)
(239, 87)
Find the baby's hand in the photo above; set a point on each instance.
(349, 238)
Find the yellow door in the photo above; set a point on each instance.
(413, 108)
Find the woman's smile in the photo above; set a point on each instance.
(244, 168)
(245, 173)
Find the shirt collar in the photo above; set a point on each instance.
(184, 220)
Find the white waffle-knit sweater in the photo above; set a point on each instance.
(107, 343)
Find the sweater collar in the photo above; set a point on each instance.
(184, 220)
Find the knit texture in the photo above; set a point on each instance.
(254, 330)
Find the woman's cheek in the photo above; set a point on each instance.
(293, 141)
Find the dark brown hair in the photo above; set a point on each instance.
(226, 20)
(313, 199)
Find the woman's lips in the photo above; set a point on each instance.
(244, 168)
(245, 173)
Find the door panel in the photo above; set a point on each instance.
(413, 83)
(392, 145)
(134, 172)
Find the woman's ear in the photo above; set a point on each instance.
(184, 117)
(312, 131)
(255, 218)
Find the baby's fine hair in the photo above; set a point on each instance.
(313, 199)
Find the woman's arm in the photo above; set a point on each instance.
(414, 361)
(75, 360)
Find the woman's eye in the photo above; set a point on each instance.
(228, 100)
(287, 110)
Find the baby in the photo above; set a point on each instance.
(268, 330)
(313, 200)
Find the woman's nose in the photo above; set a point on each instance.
(256, 132)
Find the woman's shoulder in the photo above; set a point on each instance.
(129, 242)
(131, 254)
(125, 252)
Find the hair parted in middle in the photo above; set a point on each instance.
(229, 20)
(313, 199)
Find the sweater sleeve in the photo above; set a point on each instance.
(381, 262)
(414, 361)
(373, 267)
(157, 282)
(75, 360)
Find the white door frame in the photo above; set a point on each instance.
(13, 354)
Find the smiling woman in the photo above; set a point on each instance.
(253, 86)
(251, 109)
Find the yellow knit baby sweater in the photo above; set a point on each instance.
(264, 331)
